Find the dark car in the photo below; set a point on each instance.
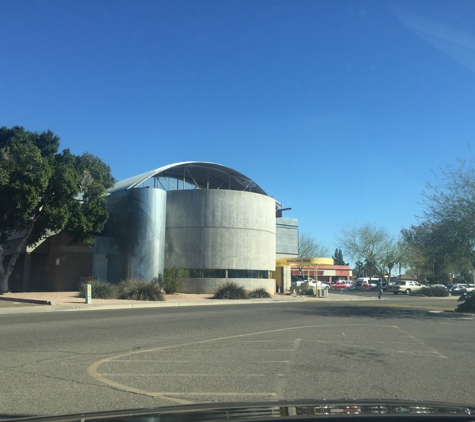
(458, 289)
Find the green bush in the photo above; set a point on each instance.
(99, 289)
(134, 289)
(468, 303)
(173, 280)
(307, 292)
(230, 290)
(437, 291)
(259, 293)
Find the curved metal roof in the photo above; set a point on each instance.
(201, 175)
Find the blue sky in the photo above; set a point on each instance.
(339, 109)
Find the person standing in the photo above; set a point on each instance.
(380, 288)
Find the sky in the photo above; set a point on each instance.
(342, 110)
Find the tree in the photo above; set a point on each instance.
(424, 254)
(451, 210)
(44, 191)
(444, 241)
(369, 269)
(308, 247)
(373, 245)
(338, 258)
(359, 267)
(431, 255)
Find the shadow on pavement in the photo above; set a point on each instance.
(361, 311)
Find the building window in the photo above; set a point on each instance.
(207, 273)
(230, 274)
(248, 274)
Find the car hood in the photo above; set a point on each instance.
(288, 410)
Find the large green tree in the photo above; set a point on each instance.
(444, 241)
(426, 252)
(451, 210)
(44, 191)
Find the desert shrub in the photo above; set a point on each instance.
(99, 289)
(437, 291)
(259, 293)
(134, 289)
(307, 292)
(173, 280)
(230, 290)
(468, 303)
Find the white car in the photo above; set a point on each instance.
(297, 282)
(320, 285)
(404, 286)
(312, 282)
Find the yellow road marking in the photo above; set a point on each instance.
(93, 369)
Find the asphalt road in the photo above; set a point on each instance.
(67, 362)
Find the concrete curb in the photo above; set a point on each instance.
(97, 307)
(92, 307)
(35, 301)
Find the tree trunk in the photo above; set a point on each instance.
(5, 273)
(3, 286)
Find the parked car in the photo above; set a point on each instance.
(458, 289)
(321, 285)
(297, 280)
(341, 284)
(366, 285)
(301, 282)
(404, 286)
(438, 285)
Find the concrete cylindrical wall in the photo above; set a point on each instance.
(136, 228)
(220, 229)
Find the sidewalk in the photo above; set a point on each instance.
(68, 301)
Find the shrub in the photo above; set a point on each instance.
(230, 290)
(99, 289)
(436, 291)
(307, 292)
(173, 280)
(134, 289)
(468, 303)
(259, 293)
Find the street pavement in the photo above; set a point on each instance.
(67, 362)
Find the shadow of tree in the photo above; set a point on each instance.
(360, 311)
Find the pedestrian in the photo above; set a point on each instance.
(380, 288)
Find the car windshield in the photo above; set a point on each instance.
(235, 201)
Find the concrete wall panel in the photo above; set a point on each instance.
(287, 237)
(210, 285)
(220, 229)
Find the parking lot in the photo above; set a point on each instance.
(289, 350)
